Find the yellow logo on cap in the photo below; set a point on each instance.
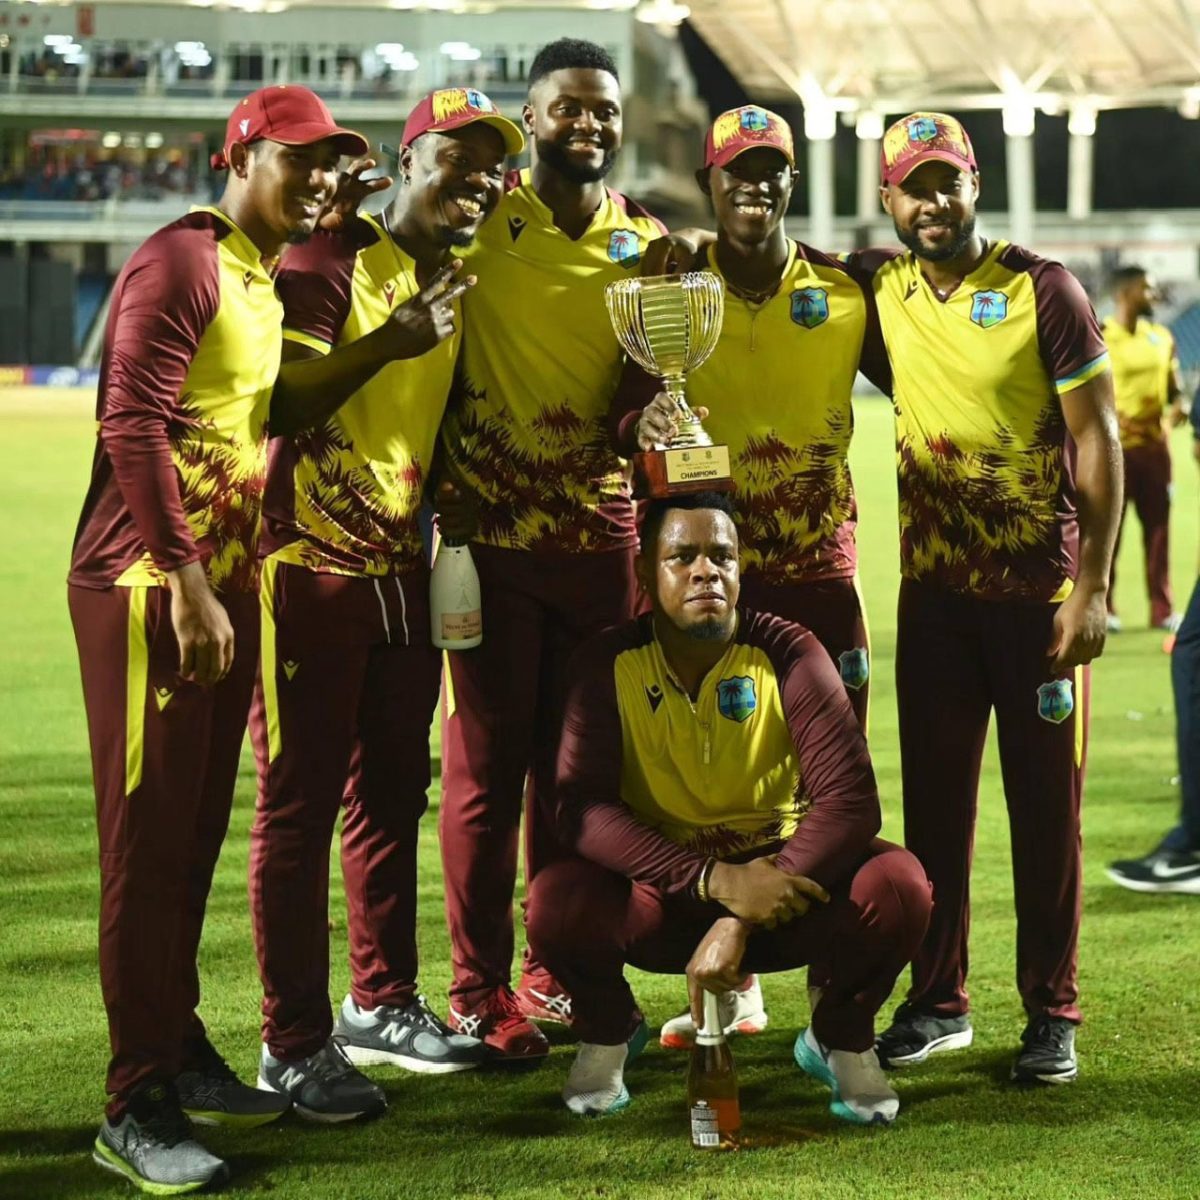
(925, 130)
(727, 126)
(751, 123)
(449, 103)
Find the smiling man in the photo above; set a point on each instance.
(798, 327)
(526, 435)
(350, 678)
(1010, 493)
(716, 784)
(163, 600)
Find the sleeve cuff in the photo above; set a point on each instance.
(306, 339)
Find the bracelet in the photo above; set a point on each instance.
(702, 882)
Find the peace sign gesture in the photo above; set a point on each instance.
(352, 190)
(427, 319)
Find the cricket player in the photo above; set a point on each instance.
(163, 600)
(1010, 492)
(715, 782)
(350, 678)
(526, 435)
(776, 391)
(1146, 383)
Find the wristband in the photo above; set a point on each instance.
(702, 880)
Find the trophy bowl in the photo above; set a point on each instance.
(668, 325)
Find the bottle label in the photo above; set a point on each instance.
(458, 626)
(706, 1134)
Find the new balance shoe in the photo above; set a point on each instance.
(741, 1010)
(1048, 1052)
(498, 1021)
(913, 1036)
(325, 1087)
(860, 1090)
(410, 1036)
(1161, 871)
(540, 998)
(211, 1094)
(152, 1146)
(595, 1085)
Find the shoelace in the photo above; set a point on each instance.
(166, 1123)
(505, 1010)
(1049, 1032)
(215, 1067)
(417, 1012)
(330, 1063)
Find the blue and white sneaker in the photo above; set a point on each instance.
(595, 1086)
(861, 1092)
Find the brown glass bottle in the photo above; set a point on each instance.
(712, 1089)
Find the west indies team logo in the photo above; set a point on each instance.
(855, 668)
(810, 307)
(623, 247)
(755, 120)
(453, 102)
(736, 699)
(1056, 702)
(988, 308)
(922, 129)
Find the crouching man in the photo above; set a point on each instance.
(717, 787)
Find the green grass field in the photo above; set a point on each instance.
(1127, 1128)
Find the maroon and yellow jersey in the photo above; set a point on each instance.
(777, 388)
(343, 497)
(1143, 365)
(540, 362)
(190, 357)
(986, 466)
(652, 783)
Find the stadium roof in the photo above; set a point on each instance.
(895, 55)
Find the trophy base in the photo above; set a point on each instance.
(681, 470)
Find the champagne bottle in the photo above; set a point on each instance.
(454, 606)
(712, 1085)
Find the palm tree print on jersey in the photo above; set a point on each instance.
(796, 504)
(991, 522)
(541, 484)
(357, 515)
(221, 486)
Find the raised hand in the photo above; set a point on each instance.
(352, 190)
(659, 422)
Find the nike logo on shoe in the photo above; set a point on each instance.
(1160, 870)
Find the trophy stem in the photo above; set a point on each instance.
(689, 431)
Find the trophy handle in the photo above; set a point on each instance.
(689, 431)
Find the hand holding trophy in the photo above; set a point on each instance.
(668, 325)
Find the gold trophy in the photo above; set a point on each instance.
(668, 325)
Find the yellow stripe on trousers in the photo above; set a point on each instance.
(267, 667)
(137, 676)
(1080, 718)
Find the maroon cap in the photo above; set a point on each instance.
(289, 114)
(452, 108)
(922, 137)
(746, 128)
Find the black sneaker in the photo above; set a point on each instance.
(1048, 1055)
(411, 1037)
(324, 1087)
(152, 1146)
(1162, 871)
(211, 1094)
(913, 1036)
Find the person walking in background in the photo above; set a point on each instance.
(1148, 396)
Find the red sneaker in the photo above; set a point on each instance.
(541, 998)
(497, 1020)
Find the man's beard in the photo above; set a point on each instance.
(459, 237)
(556, 157)
(912, 239)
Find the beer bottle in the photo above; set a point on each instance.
(712, 1085)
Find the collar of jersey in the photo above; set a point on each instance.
(714, 674)
(405, 263)
(241, 245)
(714, 267)
(542, 209)
(989, 260)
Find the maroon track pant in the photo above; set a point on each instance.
(341, 718)
(164, 761)
(1148, 487)
(586, 922)
(504, 716)
(957, 659)
(831, 609)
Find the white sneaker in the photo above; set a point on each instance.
(595, 1085)
(861, 1092)
(1172, 623)
(741, 1011)
(1113, 623)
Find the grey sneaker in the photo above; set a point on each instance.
(152, 1147)
(211, 1094)
(913, 1036)
(324, 1087)
(1047, 1052)
(411, 1037)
